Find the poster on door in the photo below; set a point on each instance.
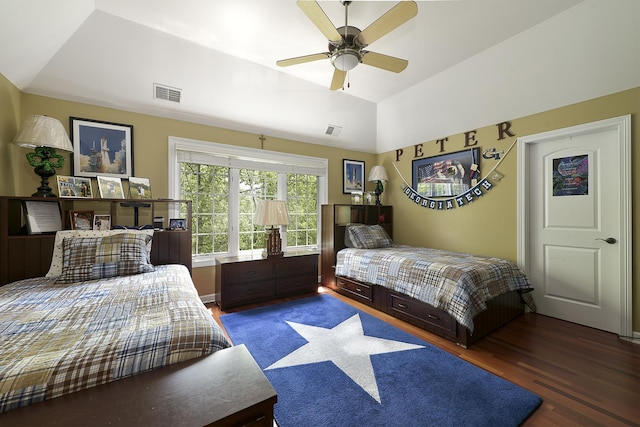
(571, 176)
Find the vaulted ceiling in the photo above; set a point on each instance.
(222, 56)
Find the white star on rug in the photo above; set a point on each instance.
(347, 347)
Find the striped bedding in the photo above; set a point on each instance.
(457, 283)
(60, 338)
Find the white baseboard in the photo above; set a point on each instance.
(206, 299)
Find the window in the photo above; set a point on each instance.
(224, 183)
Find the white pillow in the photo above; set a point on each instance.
(55, 269)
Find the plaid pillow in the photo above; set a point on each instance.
(91, 258)
(56, 261)
(368, 236)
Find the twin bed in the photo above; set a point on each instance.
(103, 313)
(461, 297)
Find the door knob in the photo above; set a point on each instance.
(609, 240)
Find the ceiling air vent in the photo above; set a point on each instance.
(167, 93)
(333, 130)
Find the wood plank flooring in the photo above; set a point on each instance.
(586, 377)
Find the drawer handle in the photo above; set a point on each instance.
(251, 273)
(358, 290)
(433, 316)
(251, 291)
(403, 306)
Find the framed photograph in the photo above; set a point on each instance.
(101, 148)
(178, 224)
(357, 198)
(139, 188)
(102, 222)
(352, 176)
(42, 217)
(110, 188)
(369, 197)
(446, 175)
(81, 220)
(72, 186)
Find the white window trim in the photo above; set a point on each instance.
(242, 157)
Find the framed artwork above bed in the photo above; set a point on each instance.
(446, 175)
(352, 176)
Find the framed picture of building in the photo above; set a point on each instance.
(445, 175)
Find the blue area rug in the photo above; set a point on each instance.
(334, 365)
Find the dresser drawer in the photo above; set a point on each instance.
(248, 292)
(353, 288)
(295, 266)
(414, 311)
(245, 272)
(297, 284)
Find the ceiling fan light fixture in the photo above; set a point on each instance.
(345, 59)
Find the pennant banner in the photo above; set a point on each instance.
(440, 204)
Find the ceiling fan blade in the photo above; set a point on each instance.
(338, 79)
(302, 59)
(385, 62)
(320, 19)
(396, 16)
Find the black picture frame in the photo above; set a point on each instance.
(101, 148)
(353, 178)
(445, 175)
(178, 224)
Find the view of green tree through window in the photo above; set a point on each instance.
(302, 203)
(224, 182)
(209, 187)
(254, 185)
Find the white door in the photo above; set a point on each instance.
(574, 222)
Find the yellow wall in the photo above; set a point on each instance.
(489, 225)
(10, 119)
(150, 149)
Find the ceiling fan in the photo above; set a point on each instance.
(347, 43)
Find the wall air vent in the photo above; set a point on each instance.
(167, 93)
(333, 130)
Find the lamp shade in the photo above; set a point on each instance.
(43, 131)
(378, 173)
(271, 212)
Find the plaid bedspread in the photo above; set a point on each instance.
(457, 283)
(56, 339)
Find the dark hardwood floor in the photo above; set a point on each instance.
(586, 377)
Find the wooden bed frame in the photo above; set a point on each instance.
(223, 388)
(499, 312)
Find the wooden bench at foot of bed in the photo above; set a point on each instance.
(500, 311)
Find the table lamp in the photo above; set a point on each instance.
(272, 213)
(45, 135)
(378, 174)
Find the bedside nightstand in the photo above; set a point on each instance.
(250, 279)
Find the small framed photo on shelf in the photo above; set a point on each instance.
(73, 186)
(42, 217)
(81, 220)
(352, 176)
(102, 222)
(110, 187)
(369, 197)
(139, 188)
(357, 198)
(178, 224)
(101, 148)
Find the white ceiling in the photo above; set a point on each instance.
(222, 55)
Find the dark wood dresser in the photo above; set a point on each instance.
(252, 278)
